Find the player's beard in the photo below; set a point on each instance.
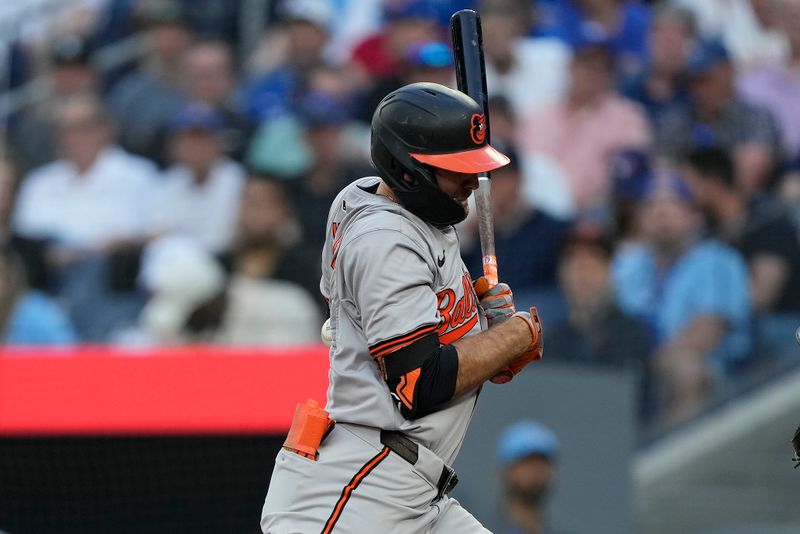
(465, 205)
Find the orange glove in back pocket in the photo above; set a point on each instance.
(309, 427)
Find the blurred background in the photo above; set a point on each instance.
(166, 168)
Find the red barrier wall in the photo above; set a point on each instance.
(188, 390)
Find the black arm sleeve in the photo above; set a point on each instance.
(421, 376)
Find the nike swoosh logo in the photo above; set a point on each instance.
(440, 260)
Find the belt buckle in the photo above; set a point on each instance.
(447, 482)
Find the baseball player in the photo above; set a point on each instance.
(413, 339)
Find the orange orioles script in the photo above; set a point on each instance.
(457, 316)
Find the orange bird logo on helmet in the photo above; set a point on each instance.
(478, 128)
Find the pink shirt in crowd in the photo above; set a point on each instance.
(583, 141)
(777, 88)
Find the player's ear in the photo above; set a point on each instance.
(408, 178)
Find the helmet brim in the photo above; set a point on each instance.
(479, 160)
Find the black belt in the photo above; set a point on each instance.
(408, 450)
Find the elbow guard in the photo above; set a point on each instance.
(421, 376)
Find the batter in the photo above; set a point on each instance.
(412, 340)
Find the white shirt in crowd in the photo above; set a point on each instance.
(112, 200)
(538, 76)
(735, 23)
(204, 212)
(268, 312)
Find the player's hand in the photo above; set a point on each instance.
(497, 301)
(534, 352)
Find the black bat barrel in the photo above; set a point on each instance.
(465, 27)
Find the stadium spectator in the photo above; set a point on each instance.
(765, 235)
(527, 240)
(543, 185)
(364, 18)
(776, 86)
(527, 452)
(279, 146)
(529, 72)
(143, 101)
(750, 29)
(200, 194)
(324, 118)
(662, 82)
(268, 312)
(693, 293)
(623, 24)
(30, 251)
(194, 301)
(631, 170)
(269, 240)
(209, 76)
(405, 24)
(92, 207)
(71, 70)
(295, 49)
(422, 61)
(579, 133)
(716, 116)
(504, 120)
(378, 62)
(594, 330)
(92, 199)
(28, 317)
(31, 132)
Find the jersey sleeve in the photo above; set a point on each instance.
(389, 283)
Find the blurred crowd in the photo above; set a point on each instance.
(650, 211)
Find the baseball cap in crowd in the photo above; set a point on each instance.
(593, 44)
(592, 36)
(70, 50)
(433, 54)
(196, 116)
(526, 438)
(667, 182)
(706, 54)
(317, 12)
(319, 108)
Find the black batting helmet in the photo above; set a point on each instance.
(426, 125)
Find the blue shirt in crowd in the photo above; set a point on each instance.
(709, 278)
(38, 320)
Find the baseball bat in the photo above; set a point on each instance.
(465, 28)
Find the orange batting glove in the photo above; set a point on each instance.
(533, 353)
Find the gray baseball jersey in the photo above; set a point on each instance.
(390, 279)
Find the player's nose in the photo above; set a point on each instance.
(470, 181)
